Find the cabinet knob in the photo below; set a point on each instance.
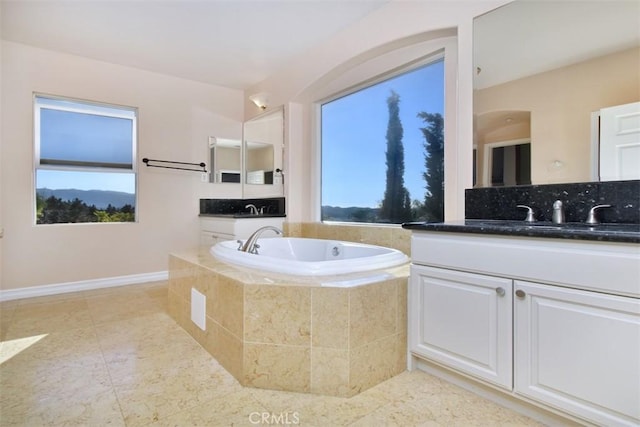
(500, 292)
(520, 293)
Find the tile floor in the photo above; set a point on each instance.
(114, 357)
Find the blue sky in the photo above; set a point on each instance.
(56, 180)
(77, 136)
(354, 137)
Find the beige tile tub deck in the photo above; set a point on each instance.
(292, 331)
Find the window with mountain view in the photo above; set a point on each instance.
(383, 150)
(84, 161)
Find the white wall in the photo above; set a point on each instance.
(176, 117)
(397, 25)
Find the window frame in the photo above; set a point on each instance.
(40, 100)
(381, 68)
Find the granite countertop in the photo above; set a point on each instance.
(244, 215)
(605, 232)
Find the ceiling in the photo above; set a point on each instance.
(231, 43)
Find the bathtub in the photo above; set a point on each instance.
(310, 257)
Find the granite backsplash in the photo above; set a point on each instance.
(272, 206)
(577, 198)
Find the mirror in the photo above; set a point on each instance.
(259, 163)
(543, 72)
(263, 154)
(226, 160)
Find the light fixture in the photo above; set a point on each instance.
(260, 99)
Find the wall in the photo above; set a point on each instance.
(1, 181)
(392, 28)
(176, 117)
(559, 129)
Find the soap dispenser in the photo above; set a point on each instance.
(558, 212)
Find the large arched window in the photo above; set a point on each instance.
(382, 142)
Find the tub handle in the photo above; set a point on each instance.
(239, 242)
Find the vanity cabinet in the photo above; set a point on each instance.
(485, 307)
(215, 229)
(464, 321)
(578, 351)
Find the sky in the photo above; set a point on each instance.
(354, 137)
(76, 136)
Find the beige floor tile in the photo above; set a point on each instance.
(239, 408)
(56, 378)
(115, 357)
(7, 309)
(169, 391)
(34, 319)
(315, 410)
(117, 307)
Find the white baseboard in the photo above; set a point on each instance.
(83, 285)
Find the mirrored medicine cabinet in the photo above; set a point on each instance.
(255, 162)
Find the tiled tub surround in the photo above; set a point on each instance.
(273, 206)
(288, 333)
(381, 235)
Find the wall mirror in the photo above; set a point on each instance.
(226, 160)
(252, 164)
(263, 142)
(543, 72)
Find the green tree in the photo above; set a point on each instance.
(433, 207)
(396, 205)
(362, 215)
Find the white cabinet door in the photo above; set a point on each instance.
(620, 142)
(579, 351)
(462, 320)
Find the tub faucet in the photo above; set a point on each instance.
(251, 244)
(558, 212)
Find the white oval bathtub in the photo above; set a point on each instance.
(310, 257)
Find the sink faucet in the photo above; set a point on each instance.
(592, 217)
(530, 215)
(251, 244)
(252, 209)
(558, 212)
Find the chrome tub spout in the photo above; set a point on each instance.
(251, 245)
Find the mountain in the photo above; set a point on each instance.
(101, 199)
(350, 214)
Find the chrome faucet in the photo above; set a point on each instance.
(252, 209)
(558, 212)
(530, 214)
(251, 244)
(592, 218)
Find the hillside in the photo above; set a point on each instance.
(350, 214)
(101, 199)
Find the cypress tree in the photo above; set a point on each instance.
(434, 166)
(396, 205)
